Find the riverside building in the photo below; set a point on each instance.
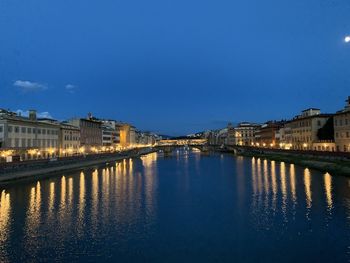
(304, 131)
(342, 128)
(90, 133)
(23, 138)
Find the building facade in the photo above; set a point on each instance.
(342, 128)
(243, 134)
(69, 140)
(267, 135)
(90, 132)
(304, 129)
(28, 137)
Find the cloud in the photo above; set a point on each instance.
(28, 86)
(44, 114)
(70, 88)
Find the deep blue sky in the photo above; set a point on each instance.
(174, 66)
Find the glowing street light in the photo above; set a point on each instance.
(347, 39)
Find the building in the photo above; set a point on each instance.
(342, 128)
(127, 135)
(285, 137)
(243, 134)
(268, 134)
(90, 132)
(115, 125)
(110, 137)
(305, 128)
(69, 140)
(145, 138)
(27, 137)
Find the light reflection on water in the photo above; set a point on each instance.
(154, 202)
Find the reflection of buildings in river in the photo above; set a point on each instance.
(5, 211)
(328, 190)
(266, 178)
(308, 193)
(33, 220)
(259, 169)
(273, 185)
(94, 201)
(70, 192)
(283, 189)
(254, 180)
(150, 181)
(51, 201)
(81, 205)
(292, 183)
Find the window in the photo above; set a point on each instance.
(318, 123)
(29, 143)
(9, 129)
(44, 131)
(1, 129)
(29, 130)
(16, 129)
(23, 144)
(23, 129)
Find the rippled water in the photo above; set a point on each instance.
(185, 208)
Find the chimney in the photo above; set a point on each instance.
(32, 115)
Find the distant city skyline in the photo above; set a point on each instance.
(174, 67)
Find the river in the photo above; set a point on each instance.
(187, 207)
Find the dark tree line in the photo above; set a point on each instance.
(327, 131)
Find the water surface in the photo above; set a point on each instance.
(188, 207)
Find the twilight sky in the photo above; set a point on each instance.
(174, 66)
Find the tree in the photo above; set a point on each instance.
(326, 133)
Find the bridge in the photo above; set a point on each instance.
(169, 145)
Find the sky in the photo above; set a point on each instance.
(174, 66)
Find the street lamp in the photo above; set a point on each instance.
(347, 39)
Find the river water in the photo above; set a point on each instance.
(187, 207)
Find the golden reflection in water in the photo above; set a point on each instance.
(33, 219)
(70, 192)
(51, 200)
(292, 183)
(81, 196)
(328, 189)
(254, 183)
(307, 184)
(284, 189)
(105, 189)
(63, 193)
(273, 185)
(266, 178)
(5, 210)
(94, 197)
(149, 161)
(259, 168)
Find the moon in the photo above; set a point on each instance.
(347, 39)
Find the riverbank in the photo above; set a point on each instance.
(11, 173)
(332, 164)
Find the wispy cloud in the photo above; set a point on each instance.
(29, 86)
(70, 88)
(44, 114)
